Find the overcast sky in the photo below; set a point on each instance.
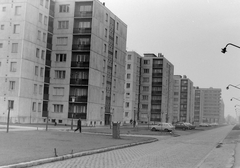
(190, 34)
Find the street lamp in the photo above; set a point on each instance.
(224, 50)
(234, 98)
(232, 86)
(73, 100)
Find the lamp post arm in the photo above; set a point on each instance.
(235, 98)
(232, 45)
(234, 86)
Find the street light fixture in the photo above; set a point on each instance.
(234, 98)
(232, 86)
(224, 50)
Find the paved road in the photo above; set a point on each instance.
(175, 152)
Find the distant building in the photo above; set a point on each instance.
(211, 105)
(156, 91)
(198, 105)
(183, 99)
(132, 85)
(62, 60)
(222, 119)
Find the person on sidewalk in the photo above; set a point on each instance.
(79, 126)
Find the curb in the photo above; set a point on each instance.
(69, 156)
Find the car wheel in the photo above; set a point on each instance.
(183, 129)
(153, 129)
(166, 130)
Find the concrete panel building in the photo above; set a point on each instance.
(156, 92)
(62, 60)
(132, 85)
(198, 105)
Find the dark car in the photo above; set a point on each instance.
(181, 126)
(190, 126)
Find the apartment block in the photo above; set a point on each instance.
(156, 91)
(132, 85)
(62, 60)
(198, 105)
(211, 105)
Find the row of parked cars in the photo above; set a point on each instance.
(169, 127)
(208, 124)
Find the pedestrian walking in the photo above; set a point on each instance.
(79, 126)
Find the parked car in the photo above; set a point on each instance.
(182, 126)
(163, 127)
(214, 124)
(190, 126)
(204, 125)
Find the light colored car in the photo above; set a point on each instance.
(214, 124)
(163, 127)
(203, 125)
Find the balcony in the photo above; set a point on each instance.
(77, 115)
(156, 92)
(77, 81)
(156, 101)
(83, 14)
(81, 47)
(47, 79)
(157, 74)
(157, 65)
(78, 99)
(82, 30)
(158, 111)
(79, 64)
(48, 62)
(49, 46)
(157, 83)
(45, 96)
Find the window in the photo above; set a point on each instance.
(129, 57)
(116, 39)
(40, 17)
(60, 74)
(128, 76)
(41, 2)
(103, 79)
(36, 70)
(61, 57)
(128, 85)
(40, 89)
(144, 106)
(102, 95)
(117, 25)
(145, 79)
(146, 61)
(44, 37)
(2, 27)
(14, 47)
(1, 45)
(126, 114)
(105, 32)
(106, 17)
(37, 52)
(105, 47)
(128, 66)
(12, 85)
(16, 28)
(114, 83)
(157, 70)
(116, 54)
(115, 69)
(114, 97)
(58, 91)
(145, 97)
(84, 24)
(41, 72)
(145, 70)
(35, 88)
(4, 9)
(39, 107)
(43, 53)
(86, 8)
(127, 104)
(34, 106)
(62, 40)
(11, 104)
(17, 10)
(46, 4)
(63, 24)
(58, 108)
(39, 35)
(145, 88)
(63, 8)
(45, 20)
(13, 66)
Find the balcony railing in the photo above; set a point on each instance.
(49, 46)
(156, 101)
(157, 74)
(156, 92)
(85, 47)
(78, 98)
(82, 30)
(45, 96)
(157, 83)
(157, 65)
(155, 110)
(83, 14)
(77, 81)
(79, 64)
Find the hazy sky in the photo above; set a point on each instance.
(190, 34)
